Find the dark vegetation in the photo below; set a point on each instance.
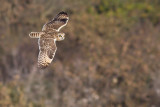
(109, 58)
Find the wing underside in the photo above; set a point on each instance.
(47, 49)
(57, 23)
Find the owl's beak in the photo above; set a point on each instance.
(63, 36)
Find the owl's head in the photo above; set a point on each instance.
(60, 36)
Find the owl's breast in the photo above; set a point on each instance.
(49, 35)
(45, 43)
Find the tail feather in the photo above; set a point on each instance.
(36, 34)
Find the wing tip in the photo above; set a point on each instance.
(62, 12)
(43, 66)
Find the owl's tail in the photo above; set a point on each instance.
(36, 34)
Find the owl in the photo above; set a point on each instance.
(48, 37)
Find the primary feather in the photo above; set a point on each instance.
(47, 51)
(57, 22)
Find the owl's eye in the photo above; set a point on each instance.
(60, 35)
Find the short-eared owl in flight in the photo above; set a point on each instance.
(48, 37)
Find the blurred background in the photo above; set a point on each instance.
(110, 56)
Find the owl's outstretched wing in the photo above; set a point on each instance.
(47, 50)
(57, 23)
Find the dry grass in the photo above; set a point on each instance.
(110, 56)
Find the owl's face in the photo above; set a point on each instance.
(60, 36)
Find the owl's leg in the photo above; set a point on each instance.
(36, 34)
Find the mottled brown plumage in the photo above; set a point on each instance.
(47, 49)
(57, 23)
(48, 37)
